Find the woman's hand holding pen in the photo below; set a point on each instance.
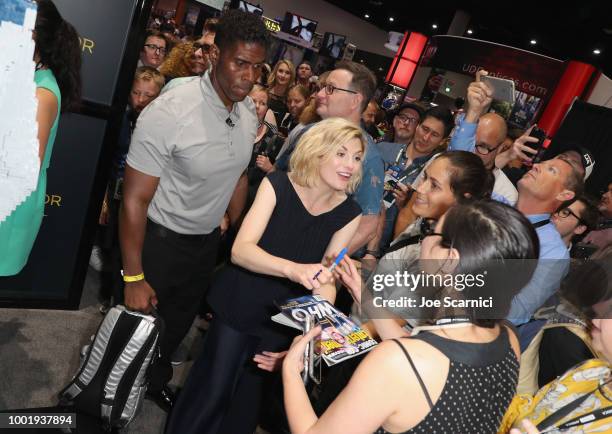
(304, 274)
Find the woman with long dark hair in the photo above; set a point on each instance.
(453, 178)
(457, 376)
(58, 88)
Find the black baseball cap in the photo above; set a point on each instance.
(586, 157)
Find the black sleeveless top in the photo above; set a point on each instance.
(481, 382)
(246, 300)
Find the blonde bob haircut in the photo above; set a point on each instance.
(318, 145)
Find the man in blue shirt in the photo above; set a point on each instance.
(404, 120)
(541, 191)
(409, 160)
(484, 135)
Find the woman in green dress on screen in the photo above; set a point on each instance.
(58, 87)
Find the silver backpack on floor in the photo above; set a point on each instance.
(112, 379)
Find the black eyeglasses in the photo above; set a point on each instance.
(205, 47)
(566, 212)
(156, 48)
(483, 149)
(330, 88)
(406, 119)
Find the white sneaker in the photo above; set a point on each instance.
(95, 260)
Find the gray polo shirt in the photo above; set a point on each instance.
(183, 138)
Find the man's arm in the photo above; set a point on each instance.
(369, 197)
(479, 97)
(550, 271)
(237, 203)
(150, 151)
(374, 244)
(366, 231)
(138, 191)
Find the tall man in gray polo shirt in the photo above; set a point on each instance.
(188, 151)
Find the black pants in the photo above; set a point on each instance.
(224, 390)
(177, 267)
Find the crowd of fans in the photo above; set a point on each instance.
(233, 182)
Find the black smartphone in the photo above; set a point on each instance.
(539, 134)
(391, 184)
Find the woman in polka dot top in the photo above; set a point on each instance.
(446, 380)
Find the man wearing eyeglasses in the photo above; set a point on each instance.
(208, 38)
(154, 49)
(574, 219)
(346, 94)
(405, 120)
(484, 135)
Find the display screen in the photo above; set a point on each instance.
(333, 44)
(248, 7)
(301, 27)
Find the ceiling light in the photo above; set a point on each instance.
(434, 26)
(533, 42)
(391, 19)
(367, 16)
(470, 31)
(596, 51)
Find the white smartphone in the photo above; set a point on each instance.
(503, 89)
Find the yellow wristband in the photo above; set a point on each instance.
(136, 278)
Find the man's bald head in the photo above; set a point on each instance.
(495, 125)
(490, 134)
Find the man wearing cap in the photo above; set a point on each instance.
(519, 150)
(405, 120)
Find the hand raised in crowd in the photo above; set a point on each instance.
(350, 277)
(294, 359)
(270, 361)
(479, 97)
(139, 296)
(263, 163)
(401, 192)
(304, 274)
(519, 149)
(528, 428)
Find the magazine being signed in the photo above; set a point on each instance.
(341, 339)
